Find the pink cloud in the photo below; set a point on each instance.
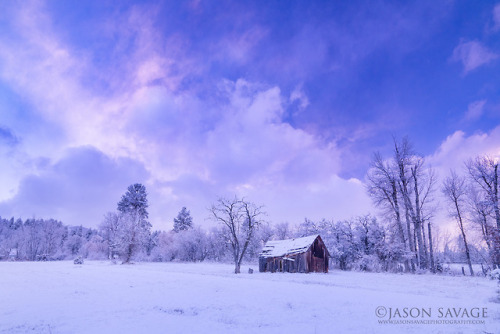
(458, 147)
(240, 144)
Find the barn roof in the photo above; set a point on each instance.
(278, 248)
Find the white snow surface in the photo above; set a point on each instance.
(275, 248)
(100, 297)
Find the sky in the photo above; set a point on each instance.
(282, 102)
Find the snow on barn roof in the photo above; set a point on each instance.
(277, 248)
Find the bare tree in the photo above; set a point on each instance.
(282, 231)
(109, 230)
(484, 171)
(383, 189)
(409, 168)
(125, 233)
(426, 180)
(403, 188)
(480, 214)
(240, 219)
(52, 231)
(454, 188)
(133, 234)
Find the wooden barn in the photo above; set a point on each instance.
(299, 255)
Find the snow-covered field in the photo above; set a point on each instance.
(100, 297)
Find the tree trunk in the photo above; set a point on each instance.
(417, 253)
(410, 240)
(236, 253)
(431, 252)
(484, 230)
(422, 252)
(128, 254)
(495, 198)
(399, 223)
(398, 214)
(425, 243)
(467, 252)
(496, 234)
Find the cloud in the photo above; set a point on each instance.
(475, 110)
(333, 198)
(458, 148)
(71, 91)
(243, 147)
(137, 121)
(299, 97)
(452, 154)
(472, 55)
(496, 17)
(78, 189)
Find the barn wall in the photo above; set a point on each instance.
(315, 259)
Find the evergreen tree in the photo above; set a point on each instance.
(135, 201)
(183, 221)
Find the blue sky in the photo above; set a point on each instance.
(281, 102)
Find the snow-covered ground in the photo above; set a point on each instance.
(100, 297)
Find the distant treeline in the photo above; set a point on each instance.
(357, 244)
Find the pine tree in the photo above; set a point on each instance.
(183, 221)
(135, 201)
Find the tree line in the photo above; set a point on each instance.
(360, 243)
(404, 238)
(404, 188)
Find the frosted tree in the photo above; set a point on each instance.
(343, 248)
(308, 227)
(74, 240)
(135, 201)
(409, 171)
(239, 219)
(133, 227)
(33, 239)
(183, 221)
(403, 187)
(383, 187)
(52, 232)
(484, 171)
(454, 189)
(261, 237)
(109, 230)
(283, 231)
(481, 212)
(217, 244)
(165, 249)
(133, 235)
(191, 245)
